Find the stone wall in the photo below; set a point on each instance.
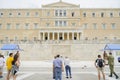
(81, 52)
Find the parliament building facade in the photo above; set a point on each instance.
(60, 21)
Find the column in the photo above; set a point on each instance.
(77, 36)
(72, 36)
(68, 36)
(58, 35)
(48, 36)
(40, 36)
(53, 34)
(63, 35)
(43, 36)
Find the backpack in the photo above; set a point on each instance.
(100, 63)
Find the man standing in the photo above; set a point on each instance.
(9, 65)
(111, 65)
(67, 67)
(58, 68)
(99, 63)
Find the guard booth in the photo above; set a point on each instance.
(115, 49)
(8, 48)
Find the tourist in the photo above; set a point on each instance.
(54, 69)
(2, 62)
(58, 67)
(99, 64)
(9, 65)
(67, 67)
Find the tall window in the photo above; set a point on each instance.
(111, 14)
(47, 24)
(17, 26)
(16, 38)
(94, 25)
(60, 23)
(113, 26)
(27, 14)
(85, 26)
(35, 25)
(60, 12)
(19, 14)
(26, 25)
(103, 26)
(36, 14)
(48, 13)
(6, 38)
(0, 26)
(102, 14)
(84, 14)
(1, 14)
(73, 24)
(64, 11)
(93, 14)
(25, 38)
(10, 14)
(8, 26)
(73, 14)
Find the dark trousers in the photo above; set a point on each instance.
(68, 70)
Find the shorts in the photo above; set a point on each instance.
(100, 69)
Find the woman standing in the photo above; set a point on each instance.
(15, 65)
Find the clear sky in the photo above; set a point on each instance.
(38, 3)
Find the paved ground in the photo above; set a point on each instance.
(43, 72)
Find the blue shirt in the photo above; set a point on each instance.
(57, 63)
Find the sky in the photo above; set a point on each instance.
(38, 3)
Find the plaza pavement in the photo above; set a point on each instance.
(42, 70)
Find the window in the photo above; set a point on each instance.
(26, 26)
(65, 23)
(72, 14)
(16, 38)
(103, 26)
(94, 25)
(17, 26)
(105, 38)
(47, 24)
(27, 14)
(19, 14)
(85, 26)
(1, 14)
(0, 26)
(111, 14)
(10, 14)
(6, 38)
(102, 14)
(8, 26)
(115, 38)
(113, 26)
(48, 13)
(60, 23)
(56, 23)
(35, 38)
(84, 14)
(36, 14)
(35, 25)
(73, 24)
(60, 12)
(25, 38)
(64, 12)
(56, 12)
(93, 14)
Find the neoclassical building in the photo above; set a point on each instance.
(59, 21)
(60, 28)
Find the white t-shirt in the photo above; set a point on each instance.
(2, 61)
(67, 62)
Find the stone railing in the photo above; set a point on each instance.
(60, 41)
